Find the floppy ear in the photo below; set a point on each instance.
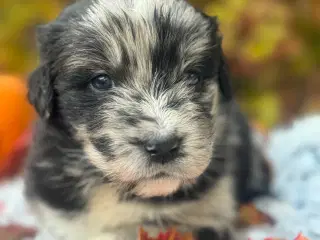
(224, 79)
(220, 62)
(40, 92)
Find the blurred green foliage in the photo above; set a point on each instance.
(273, 48)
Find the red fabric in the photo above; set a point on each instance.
(15, 160)
(14, 164)
(16, 232)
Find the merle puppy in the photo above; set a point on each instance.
(137, 125)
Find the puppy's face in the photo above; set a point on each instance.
(137, 82)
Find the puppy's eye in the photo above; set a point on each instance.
(193, 79)
(102, 82)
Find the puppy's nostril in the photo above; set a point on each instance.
(175, 147)
(151, 148)
(161, 147)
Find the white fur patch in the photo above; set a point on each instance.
(157, 187)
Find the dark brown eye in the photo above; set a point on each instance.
(193, 79)
(102, 82)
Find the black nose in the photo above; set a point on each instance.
(163, 150)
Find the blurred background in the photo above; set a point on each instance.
(273, 48)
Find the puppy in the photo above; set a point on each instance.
(137, 125)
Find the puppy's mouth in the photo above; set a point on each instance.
(159, 185)
(160, 176)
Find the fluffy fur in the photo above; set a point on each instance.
(88, 176)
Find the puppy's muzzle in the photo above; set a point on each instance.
(163, 150)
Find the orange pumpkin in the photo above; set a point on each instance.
(15, 114)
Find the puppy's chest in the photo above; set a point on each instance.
(108, 218)
(107, 214)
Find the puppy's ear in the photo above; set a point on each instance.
(224, 79)
(223, 70)
(40, 92)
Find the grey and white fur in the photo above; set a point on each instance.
(118, 81)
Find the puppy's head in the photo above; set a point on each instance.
(140, 83)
